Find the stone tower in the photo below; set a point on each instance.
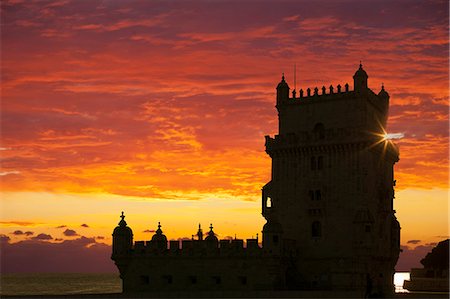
(332, 187)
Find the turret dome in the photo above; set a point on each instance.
(122, 228)
(211, 235)
(272, 226)
(360, 72)
(383, 93)
(159, 236)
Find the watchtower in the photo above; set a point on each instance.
(332, 186)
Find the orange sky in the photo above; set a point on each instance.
(160, 108)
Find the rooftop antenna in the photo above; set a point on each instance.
(295, 76)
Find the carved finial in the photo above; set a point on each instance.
(339, 88)
(382, 86)
(316, 91)
(360, 64)
(282, 76)
(256, 237)
(199, 226)
(308, 91)
(301, 93)
(211, 227)
(346, 87)
(294, 93)
(122, 216)
(323, 89)
(159, 224)
(331, 89)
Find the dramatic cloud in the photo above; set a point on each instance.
(142, 106)
(70, 233)
(84, 225)
(42, 237)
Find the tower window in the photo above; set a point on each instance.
(318, 195)
(311, 195)
(217, 279)
(275, 239)
(193, 279)
(319, 131)
(268, 202)
(313, 163)
(243, 280)
(368, 229)
(168, 279)
(316, 229)
(144, 279)
(320, 162)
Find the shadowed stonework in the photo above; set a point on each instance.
(331, 227)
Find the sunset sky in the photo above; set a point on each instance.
(159, 109)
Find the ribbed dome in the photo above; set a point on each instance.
(159, 236)
(282, 83)
(211, 235)
(122, 228)
(383, 93)
(272, 226)
(360, 73)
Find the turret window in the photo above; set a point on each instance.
(316, 229)
(315, 195)
(144, 279)
(268, 202)
(320, 163)
(313, 163)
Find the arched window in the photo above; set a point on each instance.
(319, 131)
(318, 195)
(316, 229)
(320, 162)
(268, 202)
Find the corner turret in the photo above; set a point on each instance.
(122, 238)
(360, 80)
(159, 240)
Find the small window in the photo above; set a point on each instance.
(313, 163)
(243, 280)
(319, 131)
(368, 229)
(311, 195)
(318, 195)
(145, 279)
(316, 229)
(320, 163)
(268, 202)
(217, 279)
(275, 239)
(193, 279)
(168, 279)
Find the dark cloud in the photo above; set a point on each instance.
(82, 255)
(42, 237)
(84, 225)
(413, 242)
(61, 226)
(100, 238)
(17, 232)
(28, 233)
(59, 239)
(70, 233)
(410, 257)
(18, 223)
(4, 238)
(149, 231)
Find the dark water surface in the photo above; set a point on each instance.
(59, 284)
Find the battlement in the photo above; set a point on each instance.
(315, 92)
(225, 247)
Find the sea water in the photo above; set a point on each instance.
(73, 283)
(59, 284)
